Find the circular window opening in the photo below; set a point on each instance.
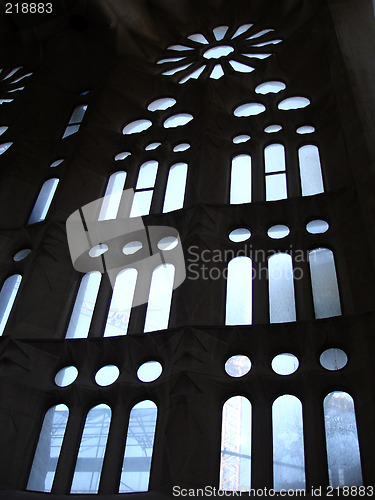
(238, 365)
(240, 234)
(22, 254)
(317, 226)
(107, 375)
(279, 231)
(98, 250)
(132, 247)
(333, 359)
(149, 371)
(66, 376)
(168, 243)
(285, 364)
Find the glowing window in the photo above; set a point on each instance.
(324, 283)
(344, 462)
(288, 448)
(281, 288)
(83, 309)
(66, 376)
(144, 189)
(91, 451)
(240, 186)
(43, 201)
(7, 297)
(235, 464)
(239, 292)
(175, 191)
(48, 449)
(159, 301)
(149, 371)
(112, 197)
(75, 120)
(121, 303)
(333, 359)
(135, 473)
(274, 162)
(107, 375)
(238, 365)
(249, 109)
(310, 170)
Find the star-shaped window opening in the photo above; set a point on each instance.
(218, 52)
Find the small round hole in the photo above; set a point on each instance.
(333, 359)
(238, 365)
(317, 226)
(279, 231)
(66, 376)
(98, 250)
(107, 375)
(149, 371)
(132, 247)
(284, 364)
(168, 243)
(240, 234)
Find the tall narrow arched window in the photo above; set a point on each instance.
(175, 191)
(275, 170)
(43, 201)
(47, 452)
(281, 288)
(240, 184)
(310, 170)
(7, 297)
(159, 301)
(239, 292)
(288, 447)
(91, 452)
(136, 467)
(75, 120)
(324, 283)
(112, 197)
(344, 462)
(235, 464)
(83, 309)
(144, 188)
(121, 303)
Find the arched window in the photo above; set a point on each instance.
(310, 170)
(281, 288)
(159, 301)
(144, 189)
(75, 120)
(235, 464)
(135, 473)
(121, 303)
(239, 292)
(43, 201)
(288, 447)
(344, 462)
(83, 309)
(91, 451)
(7, 297)
(47, 452)
(275, 170)
(324, 283)
(240, 187)
(175, 191)
(112, 197)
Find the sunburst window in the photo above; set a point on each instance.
(11, 81)
(219, 52)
